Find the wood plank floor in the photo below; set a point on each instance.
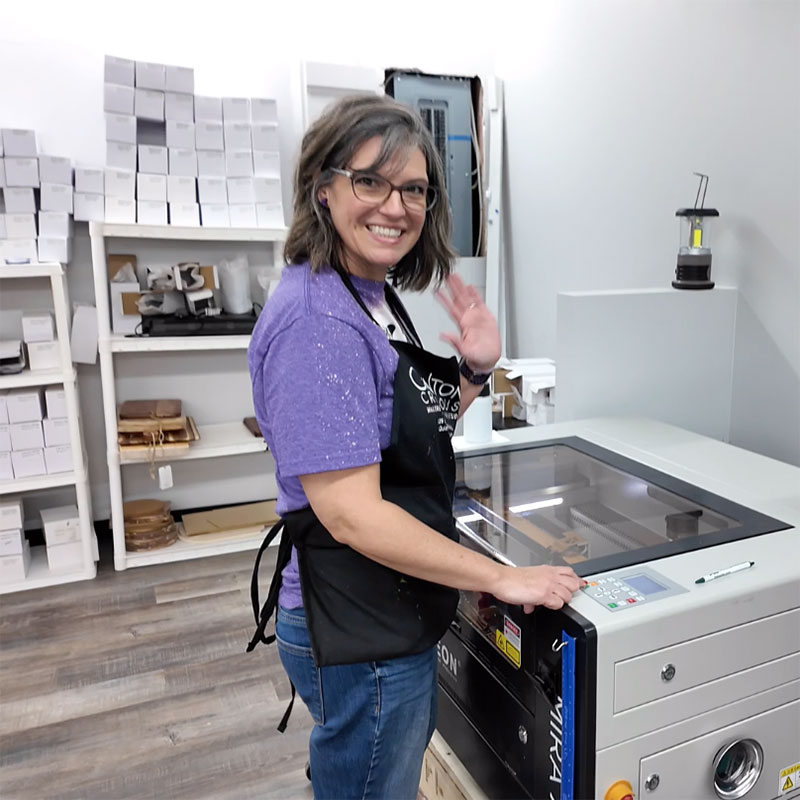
(137, 685)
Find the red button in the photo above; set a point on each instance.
(631, 600)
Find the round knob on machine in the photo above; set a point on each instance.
(621, 790)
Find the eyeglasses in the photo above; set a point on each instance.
(371, 188)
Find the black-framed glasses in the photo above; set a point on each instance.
(371, 188)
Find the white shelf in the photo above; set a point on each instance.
(197, 234)
(221, 439)
(39, 482)
(45, 269)
(34, 377)
(163, 344)
(183, 550)
(39, 574)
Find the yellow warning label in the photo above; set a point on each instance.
(507, 649)
(787, 784)
(789, 778)
(513, 654)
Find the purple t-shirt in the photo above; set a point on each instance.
(323, 385)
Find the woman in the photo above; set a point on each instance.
(358, 418)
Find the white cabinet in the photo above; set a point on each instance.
(39, 574)
(218, 438)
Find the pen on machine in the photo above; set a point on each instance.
(727, 571)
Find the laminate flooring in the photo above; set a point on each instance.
(137, 685)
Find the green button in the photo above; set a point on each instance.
(612, 605)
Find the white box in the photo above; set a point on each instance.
(89, 180)
(6, 470)
(61, 525)
(15, 568)
(58, 459)
(269, 215)
(56, 197)
(152, 188)
(120, 183)
(90, 207)
(215, 215)
(121, 323)
(28, 463)
(263, 110)
(266, 164)
(55, 248)
(239, 163)
(121, 128)
(119, 70)
(18, 251)
(5, 437)
(24, 405)
(151, 213)
(207, 109)
(19, 200)
(21, 226)
(19, 143)
(187, 214)
(56, 400)
(181, 189)
(152, 159)
(148, 104)
(243, 215)
(268, 190)
(11, 514)
(22, 172)
(37, 326)
(45, 355)
(209, 135)
(179, 107)
(55, 169)
(26, 435)
(213, 190)
(3, 408)
(83, 336)
(121, 156)
(180, 134)
(235, 109)
(56, 432)
(11, 542)
(65, 557)
(117, 99)
(120, 210)
(180, 79)
(182, 162)
(151, 76)
(240, 190)
(211, 163)
(238, 136)
(55, 224)
(265, 136)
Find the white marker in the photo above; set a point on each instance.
(727, 571)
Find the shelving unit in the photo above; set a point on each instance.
(39, 574)
(217, 440)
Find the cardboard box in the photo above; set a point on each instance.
(254, 516)
(211, 164)
(241, 190)
(209, 135)
(121, 155)
(117, 99)
(55, 224)
(61, 525)
(151, 213)
(121, 128)
(20, 226)
(22, 172)
(120, 210)
(148, 104)
(56, 402)
(55, 248)
(6, 469)
(269, 215)
(19, 200)
(43, 355)
(264, 110)
(152, 159)
(38, 326)
(15, 567)
(207, 109)
(182, 162)
(180, 134)
(5, 437)
(19, 143)
(152, 188)
(90, 180)
(215, 215)
(120, 183)
(266, 164)
(151, 76)
(11, 513)
(243, 215)
(65, 557)
(90, 207)
(186, 214)
(26, 435)
(119, 70)
(178, 107)
(24, 405)
(265, 136)
(125, 317)
(235, 109)
(213, 190)
(55, 169)
(181, 189)
(56, 431)
(56, 197)
(18, 251)
(238, 136)
(268, 190)
(11, 542)
(3, 407)
(28, 463)
(58, 459)
(180, 79)
(239, 163)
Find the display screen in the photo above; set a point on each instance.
(644, 584)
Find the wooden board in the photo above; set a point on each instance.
(444, 777)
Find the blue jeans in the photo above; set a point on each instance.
(373, 720)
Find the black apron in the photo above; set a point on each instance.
(356, 609)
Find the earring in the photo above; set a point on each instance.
(323, 201)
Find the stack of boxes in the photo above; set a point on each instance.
(36, 188)
(201, 160)
(62, 536)
(15, 550)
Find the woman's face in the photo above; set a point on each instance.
(376, 236)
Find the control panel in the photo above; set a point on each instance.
(629, 588)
